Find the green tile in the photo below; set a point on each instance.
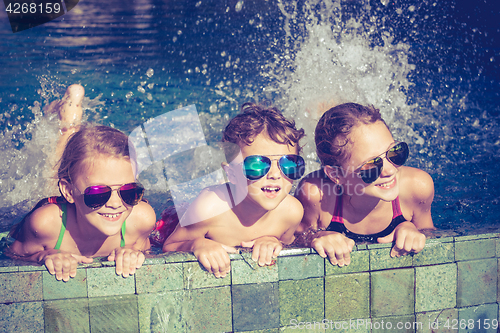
(400, 324)
(159, 278)
(8, 269)
(497, 243)
(437, 321)
(208, 310)
(475, 249)
(178, 257)
(162, 312)
(20, 287)
(255, 306)
(114, 314)
(381, 259)
(67, 315)
(294, 251)
(26, 267)
(476, 318)
(103, 281)
(498, 280)
(435, 253)
(303, 327)
(476, 236)
(347, 296)
(296, 303)
(435, 287)
(21, 317)
(243, 273)
(270, 330)
(477, 282)
(301, 267)
(360, 262)
(392, 292)
(195, 276)
(154, 260)
(8, 265)
(371, 246)
(75, 288)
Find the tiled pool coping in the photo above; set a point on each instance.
(454, 280)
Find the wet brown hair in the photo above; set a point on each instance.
(334, 127)
(89, 142)
(257, 118)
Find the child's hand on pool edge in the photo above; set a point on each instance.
(407, 239)
(63, 264)
(334, 245)
(213, 256)
(127, 260)
(264, 249)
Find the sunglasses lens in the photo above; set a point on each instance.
(292, 166)
(256, 167)
(96, 196)
(371, 170)
(131, 193)
(398, 154)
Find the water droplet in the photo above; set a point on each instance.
(150, 72)
(239, 6)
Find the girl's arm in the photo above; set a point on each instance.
(139, 226)
(37, 240)
(331, 244)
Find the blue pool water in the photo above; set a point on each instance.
(431, 67)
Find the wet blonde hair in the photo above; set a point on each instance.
(88, 143)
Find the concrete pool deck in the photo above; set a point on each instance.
(452, 283)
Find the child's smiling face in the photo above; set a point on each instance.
(110, 171)
(370, 141)
(271, 189)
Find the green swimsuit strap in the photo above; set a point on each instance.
(122, 242)
(63, 227)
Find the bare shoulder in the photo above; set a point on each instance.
(211, 202)
(417, 184)
(45, 222)
(291, 210)
(144, 216)
(417, 192)
(40, 230)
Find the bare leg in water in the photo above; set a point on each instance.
(69, 109)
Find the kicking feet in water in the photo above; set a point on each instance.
(69, 110)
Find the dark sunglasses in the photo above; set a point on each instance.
(257, 166)
(371, 170)
(97, 196)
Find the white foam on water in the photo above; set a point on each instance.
(328, 60)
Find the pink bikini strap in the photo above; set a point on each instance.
(396, 208)
(337, 212)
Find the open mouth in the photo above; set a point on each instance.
(271, 191)
(389, 184)
(111, 217)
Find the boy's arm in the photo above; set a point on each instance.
(267, 248)
(211, 254)
(36, 241)
(138, 228)
(327, 243)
